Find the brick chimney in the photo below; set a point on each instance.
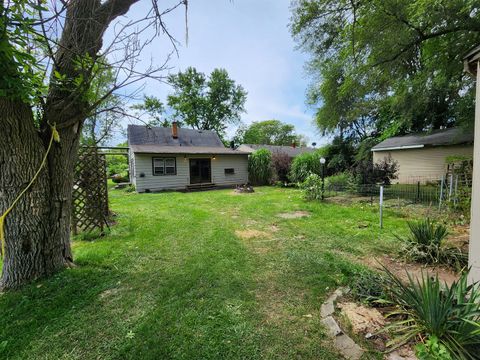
(294, 145)
(174, 130)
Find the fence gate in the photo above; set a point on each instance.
(90, 192)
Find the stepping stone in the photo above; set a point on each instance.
(348, 348)
(332, 327)
(327, 308)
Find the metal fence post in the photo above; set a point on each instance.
(418, 191)
(450, 190)
(455, 196)
(442, 183)
(381, 207)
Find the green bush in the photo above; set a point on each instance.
(338, 182)
(312, 187)
(260, 170)
(426, 308)
(117, 164)
(304, 165)
(425, 244)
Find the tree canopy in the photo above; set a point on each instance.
(152, 108)
(387, 67)
(269, 132)
(207, 103)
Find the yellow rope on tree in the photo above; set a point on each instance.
(55, 137)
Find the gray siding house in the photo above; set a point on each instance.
(182, 159)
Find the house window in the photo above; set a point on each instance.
(164, 166)
(229, 171)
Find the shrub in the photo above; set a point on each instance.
(366, 172)
(260, 167)
(304, 165)
(425, 244)
(337, 182)
(117, 164)
(312, 187)
(281, 164)
(425, 308)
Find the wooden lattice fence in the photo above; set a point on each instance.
(90, 192)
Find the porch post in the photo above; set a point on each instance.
(472, 65)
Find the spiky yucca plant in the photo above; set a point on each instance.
(427, 308)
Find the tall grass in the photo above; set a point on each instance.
(260, 170)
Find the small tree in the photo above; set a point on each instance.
(260, 167)
(281, 164)
(366, 172)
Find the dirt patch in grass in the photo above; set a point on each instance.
(400, 269)
(294, 215)
(252, 234)
(361, 318)
(274, 228)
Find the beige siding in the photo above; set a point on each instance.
(143, 164)
(419, 164)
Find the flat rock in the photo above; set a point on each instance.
(332, 327)
(327, 308)
(348, 348)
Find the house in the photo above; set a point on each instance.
(182, 159)
(422, 157)
(292, 151)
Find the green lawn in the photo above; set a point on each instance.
(198, 276)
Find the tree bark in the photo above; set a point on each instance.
(37, 231)
(29, 249)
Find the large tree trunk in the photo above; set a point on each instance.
(36, 235)
(37, 231)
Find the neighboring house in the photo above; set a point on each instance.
(181, 159)
(291, 151)
(422, 157)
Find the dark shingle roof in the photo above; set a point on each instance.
(289, 150)
(453, 136)
(143, 135)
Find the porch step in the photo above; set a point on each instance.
(201, 187)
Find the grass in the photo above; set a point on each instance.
(198, 276)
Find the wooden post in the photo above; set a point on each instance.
(472, 65)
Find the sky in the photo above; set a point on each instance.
(251, 40)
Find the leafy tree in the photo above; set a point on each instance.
(204, 103)
(339, 154)
(387, 67)
(269, 132)
(51, 55)
(153, 109)
(100, 126)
